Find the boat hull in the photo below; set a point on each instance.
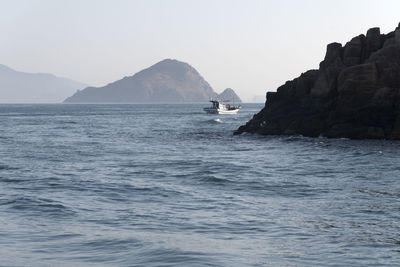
(219, 111)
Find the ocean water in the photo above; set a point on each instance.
(168, 185)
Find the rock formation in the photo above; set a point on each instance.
(355, 93)
(168, 81)
(229, 95)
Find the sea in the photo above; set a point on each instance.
(168, 185)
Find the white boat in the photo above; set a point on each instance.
(219, 107)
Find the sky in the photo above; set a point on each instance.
(252, 46)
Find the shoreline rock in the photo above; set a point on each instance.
(355, 94)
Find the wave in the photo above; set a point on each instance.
(32, 206)
(215, 180)
(7, 167)
(212, 121)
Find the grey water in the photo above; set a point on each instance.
(168, 185)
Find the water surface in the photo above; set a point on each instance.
(168, 185)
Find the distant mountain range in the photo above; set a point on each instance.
(168, 81)
(22, 87)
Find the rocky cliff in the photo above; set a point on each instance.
(168, 81)
(355, 93)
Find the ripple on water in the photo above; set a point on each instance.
(36, 207)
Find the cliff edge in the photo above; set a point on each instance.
(355, 93)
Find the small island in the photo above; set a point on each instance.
(229, 95)
(354, 94)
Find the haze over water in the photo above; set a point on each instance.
(168, 185)
(250, 46)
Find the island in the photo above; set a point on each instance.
(168, 81)
(229, 95)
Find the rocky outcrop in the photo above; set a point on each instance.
(229, 95)
(355, 93)
(168, 81)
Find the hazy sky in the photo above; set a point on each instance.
(252, 46)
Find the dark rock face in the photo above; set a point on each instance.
(168, 81)
(229, 95)
(355, 93)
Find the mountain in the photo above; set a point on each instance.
(21, 87)
(355, 93)
(229, 95)
(168, 81)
